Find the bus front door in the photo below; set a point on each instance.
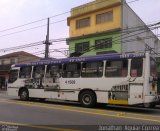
(135, 93)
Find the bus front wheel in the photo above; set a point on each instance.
(24, 95)
(88, 99)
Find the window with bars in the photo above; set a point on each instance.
(103, 43)
(80, 47)
(83, 23)
(105, 17)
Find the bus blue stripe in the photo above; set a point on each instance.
(83, 59)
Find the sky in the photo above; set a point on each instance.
(14, 13)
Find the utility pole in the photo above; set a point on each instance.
(47, 43)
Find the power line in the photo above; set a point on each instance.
(64, 39)
(116, 41)
(33, 22)
(31, 28)
(61, 40)
(67, 12)
(64, 52)
(20, 47)
(92, 47)
(31, 45)
(130, 33)
(52, 17)
(22, 25)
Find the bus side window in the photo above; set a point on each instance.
(53, 71)
(38, 71)
(153, 67)
(136, 67)
(13, 75)
(71, 70)
(25, 72)
(116, 68)
(92, 69)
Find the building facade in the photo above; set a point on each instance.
(105, 26)
(13, 58)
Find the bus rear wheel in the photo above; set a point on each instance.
(24, 95)
(88, 99)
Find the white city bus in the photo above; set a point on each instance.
(123, 79)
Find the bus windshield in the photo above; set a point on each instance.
(13, 75)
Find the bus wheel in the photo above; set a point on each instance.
(24, 95)
(88, 99)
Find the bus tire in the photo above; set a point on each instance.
(24, 95)
(88, 99)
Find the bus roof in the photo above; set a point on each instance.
(113, 56)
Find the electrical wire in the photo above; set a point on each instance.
(31, 28)
(64, 39)
(52, 17)
(118, 39)
(125, 41)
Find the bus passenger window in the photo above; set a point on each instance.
(25, 72)
(38, 71)
(116, 68)
(13, 75)
(153, 67)
(53, 71)
(92, 69)
(136, 67)
(71, 70)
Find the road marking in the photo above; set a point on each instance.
(121, 115)
(33, 126)
(90, 109)
(96, 110)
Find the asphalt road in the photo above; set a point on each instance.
(58, 116)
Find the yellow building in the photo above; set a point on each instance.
(93, 23)
(105, 26)
(94, 17)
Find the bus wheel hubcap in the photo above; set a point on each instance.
(24, 94)
(87, 99)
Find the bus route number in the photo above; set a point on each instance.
(70, 82)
